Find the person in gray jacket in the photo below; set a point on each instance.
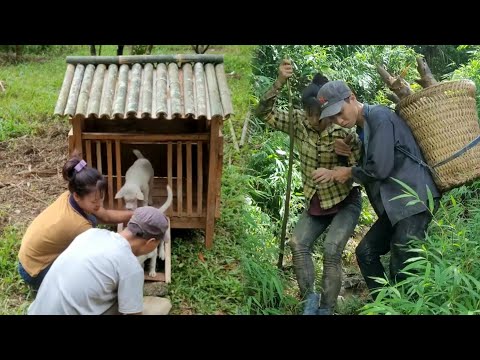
(389, 151)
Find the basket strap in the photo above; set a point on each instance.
(459, 152)
(413, 157)
(417, 160)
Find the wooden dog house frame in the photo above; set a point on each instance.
(171, 108)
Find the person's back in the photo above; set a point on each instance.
(403, 168)
(96, 274)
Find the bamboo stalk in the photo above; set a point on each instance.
(143, 59)
(245, 129)
(63, 97)
(74, 90)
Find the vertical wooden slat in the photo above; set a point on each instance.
(219, 174)
(169, 167)
(199, 177)
(189, 179)
(99, 157)
(179, 178)
(110, 174)
(71, 142)
(212, 181)
(88, 146)
(118, 163)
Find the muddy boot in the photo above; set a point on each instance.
(311, 304)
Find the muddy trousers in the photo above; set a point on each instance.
(306, 232)
(382, 238)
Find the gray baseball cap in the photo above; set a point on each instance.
(149, 221)
(332, 96)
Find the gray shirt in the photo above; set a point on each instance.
(96, 274)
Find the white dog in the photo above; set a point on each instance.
(138, 183)
(161, 247)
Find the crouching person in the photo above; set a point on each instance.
(100, 274)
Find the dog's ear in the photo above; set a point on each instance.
(140, 195)
(119, 194)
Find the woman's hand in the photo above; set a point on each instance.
(322, 175)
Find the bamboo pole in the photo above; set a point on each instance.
(143, 59)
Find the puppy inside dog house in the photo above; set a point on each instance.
(168, 107)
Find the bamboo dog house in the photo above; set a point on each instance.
(171, 108)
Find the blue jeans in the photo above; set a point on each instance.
(306, 232)
(33, 281)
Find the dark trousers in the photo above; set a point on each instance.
(306, 232)
(382, 238)
(33, 281)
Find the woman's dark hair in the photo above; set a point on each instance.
(309, 95)
(82, 180)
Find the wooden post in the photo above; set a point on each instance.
(118, 164)
(78, 123)
(212, 180)
(71, 142)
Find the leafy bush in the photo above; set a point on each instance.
(443, 277)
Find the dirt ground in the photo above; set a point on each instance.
(31, 174)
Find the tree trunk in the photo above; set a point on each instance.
(93, 52)
(149, 49)
(120, 50)
(100, 50)
(396, 84)
(427, 78)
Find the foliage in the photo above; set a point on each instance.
(444, 59)
(442, 276)
(356, 64)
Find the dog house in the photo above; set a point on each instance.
(171, 108)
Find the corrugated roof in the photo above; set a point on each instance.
(146, 86)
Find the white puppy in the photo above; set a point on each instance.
(138, 183)
(161, 247)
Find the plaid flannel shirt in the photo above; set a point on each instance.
(315, 149)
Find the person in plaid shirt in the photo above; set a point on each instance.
(337, 205)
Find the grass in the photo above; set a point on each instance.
(14, 295)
